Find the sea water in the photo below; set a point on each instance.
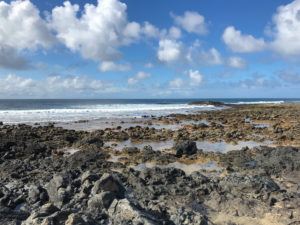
(68, 110)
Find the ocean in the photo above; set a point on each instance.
(68, 110)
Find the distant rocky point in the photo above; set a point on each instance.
(214, 103)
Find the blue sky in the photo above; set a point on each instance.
(149, 49)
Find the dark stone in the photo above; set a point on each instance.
(185, 148)
(109, 183)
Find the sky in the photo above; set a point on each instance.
(150, 49)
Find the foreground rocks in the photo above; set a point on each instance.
(40, 184)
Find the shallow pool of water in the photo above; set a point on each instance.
(187, 168)
(206, 146)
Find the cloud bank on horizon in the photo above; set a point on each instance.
(106, 49)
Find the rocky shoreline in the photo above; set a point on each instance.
(52, 175)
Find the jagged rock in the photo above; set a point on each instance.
(75, 219)
(91, 140)
(238, 184)
(185, 148)
(123, 212)
(109, 183)
(183, 216)
(58, 190)
(89, 176)
(47, 215)
(48, 209)
(100, 201)
(131, 150)
(37, 194)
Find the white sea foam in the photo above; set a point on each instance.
(258, 102)
(91, 112)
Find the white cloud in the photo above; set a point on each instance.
(257, 82)
(12, 84)
(236, 62)
(138, 77)
(107, 66)
(132, 31)
(21, 26)
(195, 54)
(169, 50)
(211, 57)
(174, 33)
(286, 29)
(196, 77)
(150, 30)
(192, 22)
(21, 29)
(76, 83)
(97, 33)
(177, 83)
(9, 59)
(18, 86)
(242, 43)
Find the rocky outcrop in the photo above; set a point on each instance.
(38, 185)
(185, 148)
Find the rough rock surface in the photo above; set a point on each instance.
(40, 184)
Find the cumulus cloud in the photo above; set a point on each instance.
(286, 29)
(169, 50)
(257, 81)
(23, 26)
(18, 86)
(192, 22)
(198, 56)
(138, 77)
(150, 30)
(211, 57)
(174, 32)
(177, 83)
(196, 77)
(236, 62)
(12, 84)
(107, 66)
(9, 59)
(77, 83)
(242, 43)
(98, 31)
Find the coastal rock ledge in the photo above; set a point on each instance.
(39, 185)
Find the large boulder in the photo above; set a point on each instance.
(109, 183)
(101, 201)
(58, 189)
(185, 148)
(91, 140)
(37, 194)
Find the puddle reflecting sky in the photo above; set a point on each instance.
(187, 168)
(207, 146)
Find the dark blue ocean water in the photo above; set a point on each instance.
(29, 104)
(54, 110)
